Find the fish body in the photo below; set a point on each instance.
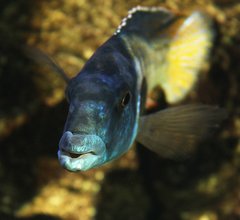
(104, 101)
(151, 48)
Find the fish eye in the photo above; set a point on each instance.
(125, 99)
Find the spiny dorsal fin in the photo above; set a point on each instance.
(175, 132)
(145, 20)
(187, 53)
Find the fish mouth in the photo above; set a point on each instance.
(76, 154)
(81, 152)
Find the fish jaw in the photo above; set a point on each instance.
(81, 152)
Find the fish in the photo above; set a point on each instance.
(152, 48)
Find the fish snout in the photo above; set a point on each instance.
(81, 151)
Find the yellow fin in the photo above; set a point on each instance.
(187, 53)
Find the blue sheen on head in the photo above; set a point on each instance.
(101, 123)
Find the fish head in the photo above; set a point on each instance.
(100, 122)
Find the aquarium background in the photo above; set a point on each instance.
(139, 185)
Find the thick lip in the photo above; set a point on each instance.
(82, 162)
(80, 151)
(84, 143)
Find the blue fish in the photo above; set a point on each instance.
(151, 48)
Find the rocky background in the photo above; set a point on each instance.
(139, 185)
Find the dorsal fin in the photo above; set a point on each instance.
(145, 21)
(169, 49)
(187, 53)
(42, 58)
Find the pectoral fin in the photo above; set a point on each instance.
(42, 58)
(174, 132)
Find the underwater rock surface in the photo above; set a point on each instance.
(139, 185)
